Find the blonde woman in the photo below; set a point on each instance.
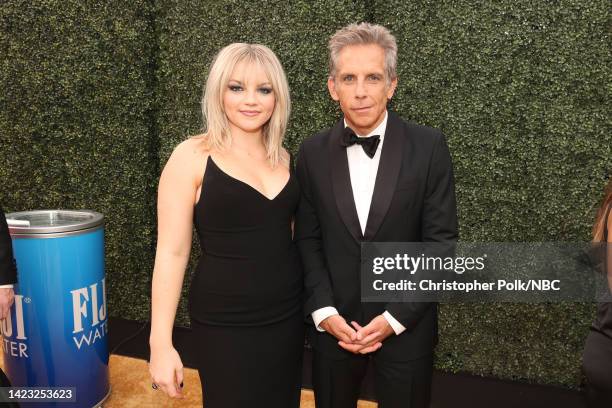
(234, 182)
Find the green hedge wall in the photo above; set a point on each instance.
(520, 89)
(75, 114)
(94, 100)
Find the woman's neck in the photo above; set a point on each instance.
(248, 143)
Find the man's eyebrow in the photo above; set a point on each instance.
(367, 74)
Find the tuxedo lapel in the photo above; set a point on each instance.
(341, 182)
(386, 177)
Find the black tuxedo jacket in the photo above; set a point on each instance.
(413, 201)
(8, 270)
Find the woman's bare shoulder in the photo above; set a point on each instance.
(194, 146)
(187, 158)
(189, 152)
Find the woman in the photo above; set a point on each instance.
(235, 184)
(597, 356)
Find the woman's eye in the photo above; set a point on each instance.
(235, 88)
(265, 91)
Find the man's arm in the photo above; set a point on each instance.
(308, 239)
(438, 224)
(319, 296)
(319, 316)
(8, 268)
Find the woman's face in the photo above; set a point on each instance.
(249, 99)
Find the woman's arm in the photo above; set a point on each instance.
(176, 195)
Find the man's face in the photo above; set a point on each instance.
(361, 86)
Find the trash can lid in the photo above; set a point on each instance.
(52, 221)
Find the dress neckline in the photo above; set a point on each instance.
(250, 187)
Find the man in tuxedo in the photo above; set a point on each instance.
(8, 276)
(370, 178)
(8, 268)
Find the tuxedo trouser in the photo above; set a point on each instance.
(397, 384)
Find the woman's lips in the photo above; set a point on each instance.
(249, 112)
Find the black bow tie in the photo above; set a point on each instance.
(368, 144)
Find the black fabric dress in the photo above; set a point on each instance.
(597, 355)
(245, 299)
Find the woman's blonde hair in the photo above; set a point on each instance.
(217, 133)
(600, 219)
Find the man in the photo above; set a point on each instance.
(8, 276)
(372, 177)
(8, 269)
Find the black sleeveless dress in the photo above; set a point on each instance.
(597, 354)
(245, 299)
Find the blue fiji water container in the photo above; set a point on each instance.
(56, 335)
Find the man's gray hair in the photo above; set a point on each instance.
(364, 34)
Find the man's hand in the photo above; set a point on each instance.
(370, 337)
(6, 301)
(337, 327)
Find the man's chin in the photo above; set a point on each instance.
(360, 125)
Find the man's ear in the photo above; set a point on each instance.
(392, 87)
(331, 86)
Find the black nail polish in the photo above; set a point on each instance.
(181, 385)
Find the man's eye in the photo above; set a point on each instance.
(265, 91)
(347, 78)
(374, 78)
(235, 88)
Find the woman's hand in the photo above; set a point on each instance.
(166, 369)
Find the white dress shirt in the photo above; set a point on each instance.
(363, 170)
